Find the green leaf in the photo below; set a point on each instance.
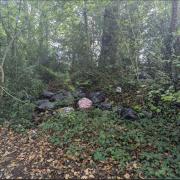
(99, 156)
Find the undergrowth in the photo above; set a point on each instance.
(152, 144)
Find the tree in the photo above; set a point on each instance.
(108, 56)
(171, 45)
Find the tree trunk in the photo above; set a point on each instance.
(171, 43)
(174, 16)
(109, 42)
(87, 39)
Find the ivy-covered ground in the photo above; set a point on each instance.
(92, 144)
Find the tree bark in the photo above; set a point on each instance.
(87, 38)
(174, 16)
(109, 42)
(172, 44)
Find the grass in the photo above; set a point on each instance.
(151, 146)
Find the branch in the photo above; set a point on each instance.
(3, 89)
(8, 48)
(2, 78)
(4, 58)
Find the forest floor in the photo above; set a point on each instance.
(91, 145)
(23, 158)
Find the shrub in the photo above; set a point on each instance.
(18, 114)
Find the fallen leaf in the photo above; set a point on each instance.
(91, 176)
(50, 160)
(127, 176)
(135, 165)
(84, 177)
(66, 176)
(141, 176)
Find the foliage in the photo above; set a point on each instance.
(162, 102)
(18, 114)
(146, 142)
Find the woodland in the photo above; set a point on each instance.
(89, 89)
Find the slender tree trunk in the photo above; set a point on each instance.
(87, 38)
(2, 80)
